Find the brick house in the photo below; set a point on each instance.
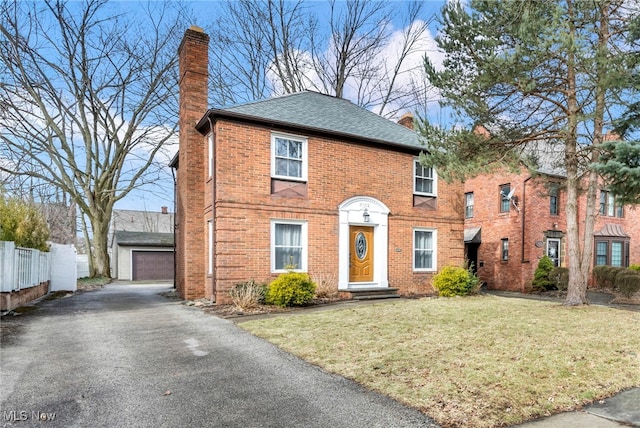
(304, 180)
(513, 219)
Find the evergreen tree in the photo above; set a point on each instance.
(532, 73)
(620, 167)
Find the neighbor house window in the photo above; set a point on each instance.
(505, 249)
(612, 252)
(468, 205)
(424, 179)
(288, 245)
(609, 205)
(424, 250)
(288, 157)
(210, 254)
(505, 202)
(554, 208)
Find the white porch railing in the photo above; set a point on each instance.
(22, 267)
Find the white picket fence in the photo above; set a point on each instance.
(22, 268)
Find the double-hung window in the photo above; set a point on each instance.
(609, 205)
(424, 250)
(288, 245)
(505, 249)
(505, 201)
(468, 205)
(554, 208)
(424, 179)
(289, 157)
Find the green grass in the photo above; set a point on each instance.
(479, 361)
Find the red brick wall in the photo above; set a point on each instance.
(14, 299)
(338, 170)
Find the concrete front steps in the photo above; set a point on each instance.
(374, 293)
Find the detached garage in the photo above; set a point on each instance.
(142, 256)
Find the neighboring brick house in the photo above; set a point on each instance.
(513, 219)
(307, 180)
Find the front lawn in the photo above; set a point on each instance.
(477, 361)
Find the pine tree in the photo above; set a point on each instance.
(531, 72)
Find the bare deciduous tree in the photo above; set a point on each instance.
(275, 47)
(88, 101)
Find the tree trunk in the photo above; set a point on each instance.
(577, 287)
(100, 253)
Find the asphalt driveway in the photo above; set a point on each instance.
(124, 356)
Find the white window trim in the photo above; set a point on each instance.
(434, 265)
(304, 243)
(210, 146)
(293, 137)
(435, 180)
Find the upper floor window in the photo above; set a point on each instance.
(288, 245)
(609, 205)
(505, 201)
(424, 250)
(554, 207)
(289, 157)
(468, 205)
(424, 179)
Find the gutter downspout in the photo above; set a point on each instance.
(213, 209)
(175, 226)
(523, 224)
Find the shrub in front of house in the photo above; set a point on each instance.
(326, 285)
(559, 276)
(290, 289)
(541, 280)
(455, 281)
(635, 267)
(627, 282)
(248, 295)
(602, 276)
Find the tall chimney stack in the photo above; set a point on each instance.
(193, 56)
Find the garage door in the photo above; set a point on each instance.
(152, 265)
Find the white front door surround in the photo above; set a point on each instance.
(354, 211)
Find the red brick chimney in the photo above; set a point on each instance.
(406, 120)
(164, 210)
(193, 60)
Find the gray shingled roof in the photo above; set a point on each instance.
(314, 111)
(144, 239)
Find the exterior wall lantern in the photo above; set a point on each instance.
(365, 215)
